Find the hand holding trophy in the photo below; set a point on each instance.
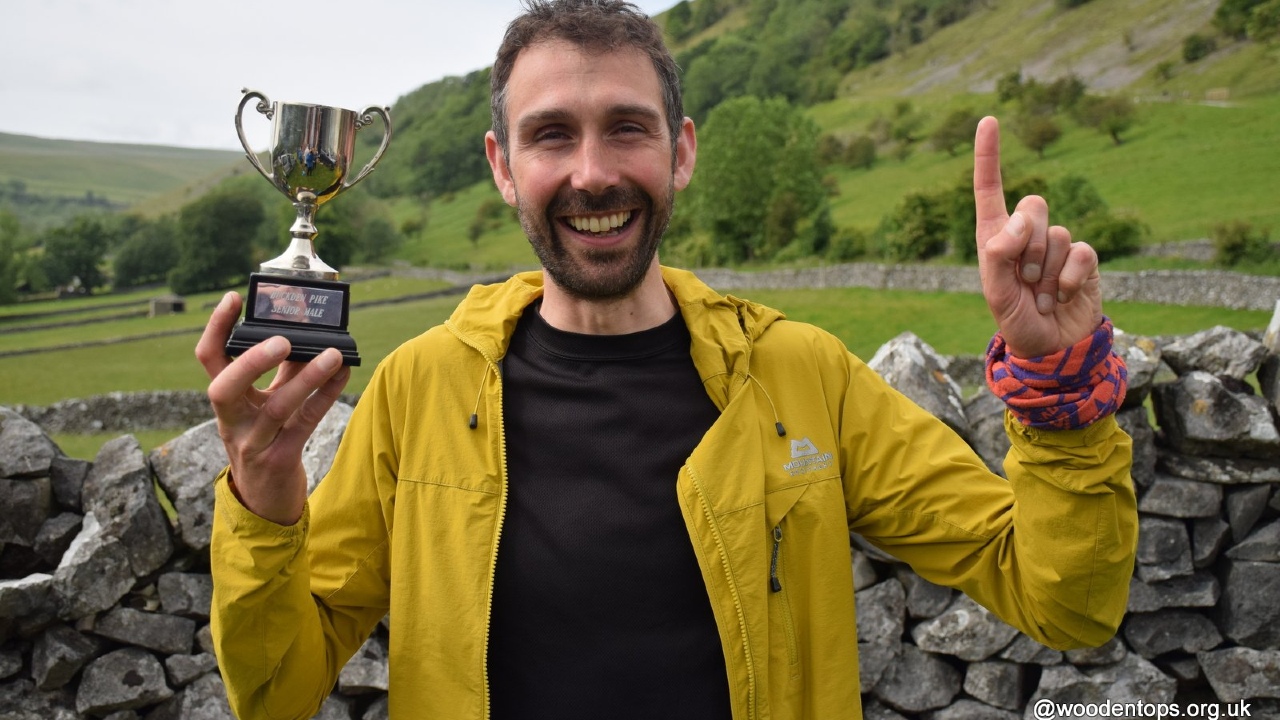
(297, 295)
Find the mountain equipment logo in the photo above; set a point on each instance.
(807, 458)
(803, 448)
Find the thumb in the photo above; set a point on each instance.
(1008, 244)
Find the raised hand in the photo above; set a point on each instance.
(1042, 288)
(264, 430)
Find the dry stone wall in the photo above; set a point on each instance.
(104, 596)
(1209, 288)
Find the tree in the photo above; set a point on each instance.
(73, 253)
(678, 18)
(904, 128)
(1045, 99)
(1114, 237)
(859, 41)
(958, 128)
(916, 230)
(490, 214)
(10, 230)
(1196, 46)
(1238, 242)
(706, 13)
(380, 240)
(860, 152)
(1108, 115)
(1009, 86)
(718, 75)
(339, 237)
(847, 244)
(1037, 132)
(215, 238)
(1264, 22)
(1073, 200)
(1075, 203)
(149, 252)
(445, 159)
(757, 162)
(1065, 92)
(1232, 18)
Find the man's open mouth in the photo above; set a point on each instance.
(600, 225)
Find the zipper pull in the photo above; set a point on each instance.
(774, 583)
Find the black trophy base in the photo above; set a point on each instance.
(311, 314)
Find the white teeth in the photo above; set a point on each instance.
(605, 224)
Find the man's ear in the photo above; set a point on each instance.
(501, 171)
(686, 154)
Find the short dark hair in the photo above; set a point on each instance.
(595, 26)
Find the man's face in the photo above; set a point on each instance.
(590, 166)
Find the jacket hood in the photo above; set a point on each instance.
(724, 328)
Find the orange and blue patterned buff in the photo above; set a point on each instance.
(1067, 390)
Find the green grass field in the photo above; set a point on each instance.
(864, 319)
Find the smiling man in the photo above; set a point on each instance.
(603, 490)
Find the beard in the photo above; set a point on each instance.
(596, 273)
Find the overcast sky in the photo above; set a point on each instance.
(169, 72)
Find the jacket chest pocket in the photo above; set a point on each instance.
(805, 532)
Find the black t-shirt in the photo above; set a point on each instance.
(599, 608)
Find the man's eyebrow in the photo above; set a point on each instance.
(555, 115)
(641, 111)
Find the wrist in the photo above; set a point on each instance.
(1069, 389)
(272, 501)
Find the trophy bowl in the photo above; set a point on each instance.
(297, 294)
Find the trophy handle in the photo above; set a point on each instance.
(264, 107)
(365, 119)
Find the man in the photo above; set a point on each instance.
(603, 490)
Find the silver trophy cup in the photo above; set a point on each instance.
(297, 294)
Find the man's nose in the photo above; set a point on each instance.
(594, 167)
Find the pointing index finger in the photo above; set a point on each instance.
(988, 189)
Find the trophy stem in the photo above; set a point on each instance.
(300, 260)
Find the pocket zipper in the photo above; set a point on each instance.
(774, 583)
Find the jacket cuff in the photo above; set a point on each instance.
(242, 520)
(1068, 390)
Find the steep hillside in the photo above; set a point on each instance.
(1113, 45)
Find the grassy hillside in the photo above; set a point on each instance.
(1113, 45)
(1182, 168)
(1186, 165)
(121, 173)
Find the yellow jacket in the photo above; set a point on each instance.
(407, 522)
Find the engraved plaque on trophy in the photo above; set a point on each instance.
(297, 295)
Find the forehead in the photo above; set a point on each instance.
(558, 76)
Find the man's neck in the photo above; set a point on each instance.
(649, 305)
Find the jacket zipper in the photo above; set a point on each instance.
(752, 712)
(497, 537)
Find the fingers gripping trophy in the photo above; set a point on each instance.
(298, 295)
